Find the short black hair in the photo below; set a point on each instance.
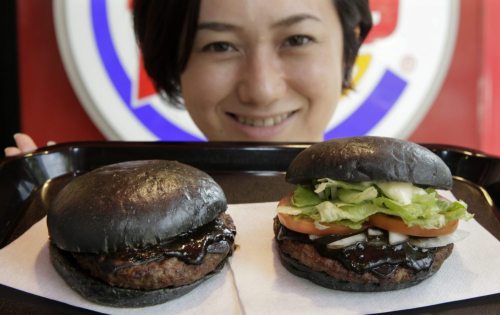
(356, 20)
(165, 31)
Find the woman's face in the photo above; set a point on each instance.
(264, 70)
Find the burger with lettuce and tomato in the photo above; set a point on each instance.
(367, 214)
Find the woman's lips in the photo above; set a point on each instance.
(262, 122)
(261, 127)
(268, 121)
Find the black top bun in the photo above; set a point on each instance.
(132, 204)
(370, 158)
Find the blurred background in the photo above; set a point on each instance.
(44, 94)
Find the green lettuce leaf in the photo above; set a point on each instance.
(324, 183)
(351, 204)
(303, 197)
(355, 196)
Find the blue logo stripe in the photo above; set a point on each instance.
(373, 109)
(146, 114)
(108, 54)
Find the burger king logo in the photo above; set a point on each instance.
(397, 75)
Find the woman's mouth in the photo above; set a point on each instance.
(261, 121)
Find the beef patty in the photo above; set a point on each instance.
(335, 269)
(160, 266)
(308, 256)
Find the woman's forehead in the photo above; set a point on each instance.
(263, 12)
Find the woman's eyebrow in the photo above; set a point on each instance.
(217, 26)
(288, 21)
(294, 19)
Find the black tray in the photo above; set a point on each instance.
(248, 172)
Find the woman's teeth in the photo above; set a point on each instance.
(262, 122)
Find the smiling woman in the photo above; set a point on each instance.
(266, 72)
(253, 70)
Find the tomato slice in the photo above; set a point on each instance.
(306, 226)
(395, 224)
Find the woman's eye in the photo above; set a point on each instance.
(218, 47)
(298, 40)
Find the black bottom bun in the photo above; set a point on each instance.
(339, 278)
(99, 292)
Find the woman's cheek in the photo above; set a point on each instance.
(319, 82)
(206, 85)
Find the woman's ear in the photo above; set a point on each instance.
(357, 32)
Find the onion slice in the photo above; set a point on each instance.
(428, 242)
(397, 238)
(374, 232)
(347, 241)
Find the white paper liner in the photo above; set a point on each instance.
(257, 283)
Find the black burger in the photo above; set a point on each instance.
(366, 214)
(139, 233)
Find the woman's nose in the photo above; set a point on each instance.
(262, 80)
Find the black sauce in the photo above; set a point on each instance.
(382, 260)
(374, 255)
(190, 247)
